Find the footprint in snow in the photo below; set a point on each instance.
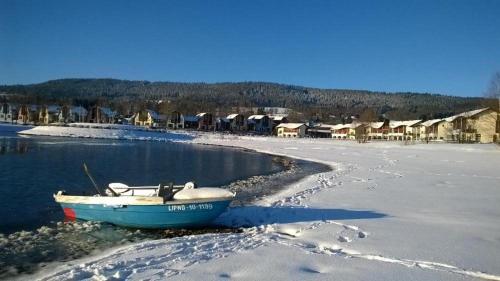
(309, 270)
(344, 239)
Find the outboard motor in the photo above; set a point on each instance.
(166, 192)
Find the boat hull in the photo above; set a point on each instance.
(153, 216)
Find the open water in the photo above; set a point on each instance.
(32, 228)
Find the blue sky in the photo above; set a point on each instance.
(448, 47)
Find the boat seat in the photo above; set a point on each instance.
(117, 187)
(123, 189)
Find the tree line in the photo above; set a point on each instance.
(307, 103)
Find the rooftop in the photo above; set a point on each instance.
(257, 117)
(290, 125)
(409, 123)
(466, 114)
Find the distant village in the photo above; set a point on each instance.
(476, 126)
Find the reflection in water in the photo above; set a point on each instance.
(13, 145)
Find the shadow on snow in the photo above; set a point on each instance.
(260, 215)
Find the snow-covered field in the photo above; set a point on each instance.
(386, 212)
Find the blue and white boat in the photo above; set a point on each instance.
(154, 207)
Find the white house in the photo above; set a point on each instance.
(403, 130)
(149, 118)
(8, 113)
(429, 130)
(480, 125)
(48, 114)
(340, 131)
(378, 130)
(291, 130)
(27, 114)
(352, 131)
(175, 120)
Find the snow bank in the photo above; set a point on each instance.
(107, 126)
(107, 131)
(386, 212)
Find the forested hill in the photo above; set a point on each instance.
(204, 96)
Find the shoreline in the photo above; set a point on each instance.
(249, 189)
(198, 138)
(361, 214)
(321, 167)
(296, 168)
(115, 132)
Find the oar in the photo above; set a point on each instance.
(94, 183)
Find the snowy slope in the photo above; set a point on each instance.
(386, 212)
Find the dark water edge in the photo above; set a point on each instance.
(257, 187)
(35, 168)
(25, 252)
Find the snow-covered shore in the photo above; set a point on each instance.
(386, 212)
(106, 131)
